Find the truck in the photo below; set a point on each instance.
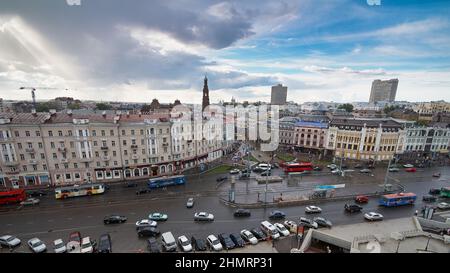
(166, 181)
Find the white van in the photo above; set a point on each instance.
(270, 230)
(168, 241)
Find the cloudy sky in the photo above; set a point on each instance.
(138, 50)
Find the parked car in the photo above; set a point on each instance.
(104, 244)
(30, 202)
(9, 241)
(36, 245)
(59, 246)
(362, 199)
(184, 243)
(130, 185)
(222, 178)
(365, 171)
(235, 171)
(276, 214)
(87, 246)
(242, 213)
(429, 198)
(36, 193)
(443, 206)
(352, 208)
(158, 216)
(336, 171)
(373, 216)
(435, 191)
(142, 191)
(281, 229)
(249, 237)
(203, 216)
(214, 243)
(411, 170)
(148, 232)
(226, 241)
(75, 237)
(190, 203)
(322, 222)
(332, 166)
(408, 166)
(199, 244)
(259, 234)
(244, 176)
(291, 226)
(146, 223)
(168, 242)
(437, 175)
(114, 219)
(308, 223)
(237, 240)
(153, 245)
(313, 209)
(394, 170)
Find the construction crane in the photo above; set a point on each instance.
(33, 90)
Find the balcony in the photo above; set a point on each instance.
(106, 158)
(86, 159)
(29, 150)
(104, 148)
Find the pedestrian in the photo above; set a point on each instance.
(416, 213)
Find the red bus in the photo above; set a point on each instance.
(12, 196)
(298, 167)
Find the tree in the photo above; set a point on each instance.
(74, 106)
(103, 106)
(347, 107)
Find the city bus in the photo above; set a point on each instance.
(12, 196)
(445, 192)
(397, 199)
(79, 190)
(298, 167)
(166, 181)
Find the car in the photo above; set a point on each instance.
(130, 185)
(87, 246)
(443, 206)
(104, 244)
(75, 237)
(313, 209)
(237, 240)
(184, 243)
(317, 169)
(9, 241)
(248, 237)
(281, 229)
(226, 241)
(365, 171)
(394, 170)
(332, 166)
(408, 166)
(59, 246)
(36, 193)
(352, 208)
(411, 170)
(146, 223)
(259, 234)
(214, 243)
(435, 191)
(199, 244)
(203, 216)
(361, 199)
(142, 191)
(437, 175)
(242, 213)
(291, 226)
(235, 171)
(373, 216)
(322, 222)
(222, 178)
(158, 216)
(153, 246)
(36, 245)
(190, 203)
(276, 214)
(429, 198)
(308, 223)
(148, 232)
(336, 171)
(114, 219)
(30, 202)
(244, 176)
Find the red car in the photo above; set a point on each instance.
(411, 170)
(361, 199)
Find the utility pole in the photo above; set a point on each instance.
(387, 174)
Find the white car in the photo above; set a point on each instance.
(281, 229)
(146, 223)
(203, 216)
(332, 166)
(9, 241)
(249, 237)
(291, 225)
(313, 209)
(86, 245)
(443, 206)
(373, 216)
(336, 171)
(190, 203)
(30, 202)
(235, 171)
(408, 166)
(36, 245)
(214, 243)
(184, 243)
(59, 246)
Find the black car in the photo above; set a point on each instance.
(352, 208)
(237, 240)
(148, 232)
(257, 232)
(222, 178)
(276, 214)
(226, 241)
(153, 245)
(242, 213)
(114, 219)
(131, 185)
(142, 191)
(36, 193)
(199, 244)
(104, 244)
(429, 198)
(435, 191)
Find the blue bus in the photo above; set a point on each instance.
(397, 199)
(166, 181)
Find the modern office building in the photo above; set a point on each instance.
(383, 91)
(279, 95)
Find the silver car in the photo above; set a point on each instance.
(203, 216)
(190, 203)
(30, 202)
(9, 241)
(36, 245)
(59, 246)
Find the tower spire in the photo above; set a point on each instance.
(205, 101)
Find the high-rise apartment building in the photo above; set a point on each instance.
(279, 95)
(383, 91)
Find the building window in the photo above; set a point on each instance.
(50, 133)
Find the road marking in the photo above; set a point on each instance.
(51, 220)
(69, 218)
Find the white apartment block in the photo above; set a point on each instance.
(426, 140)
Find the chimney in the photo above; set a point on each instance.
(104, 114)
(128, 114)
(69, 112)
(33, 112)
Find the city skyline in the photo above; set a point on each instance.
(162, 50)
